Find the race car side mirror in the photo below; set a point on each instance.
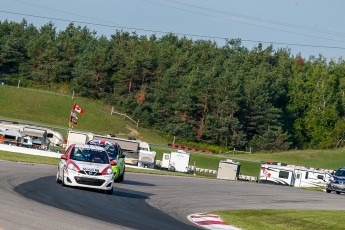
(63, 157)
(114, 162)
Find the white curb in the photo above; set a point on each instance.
(209, 221)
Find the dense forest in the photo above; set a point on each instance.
(227, 95)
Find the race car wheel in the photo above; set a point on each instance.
(328, 190)
(109, 192)
(63, 179)
(338, 192)
(121, 177)
(58, 180)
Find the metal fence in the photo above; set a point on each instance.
(124, 116)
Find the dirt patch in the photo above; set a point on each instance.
(133, 132)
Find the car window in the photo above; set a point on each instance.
(77, 155)
(340, 173)
(90, 155)
(112, 151)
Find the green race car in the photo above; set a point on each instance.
(115, 154)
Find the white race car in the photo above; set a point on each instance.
(86, 166)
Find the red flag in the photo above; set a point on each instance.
(77, 109)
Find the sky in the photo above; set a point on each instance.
(306, 27)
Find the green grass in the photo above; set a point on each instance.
(53, 109)
(283, 219)
(18, 157)
(328, 159)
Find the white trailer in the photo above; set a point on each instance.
(147, 157)
(228, 170)
(178, 161)
(39, 137)
(75, 137)
(55, 137)
(293, 175)
(6, 126)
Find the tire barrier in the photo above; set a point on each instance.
(186, 148)
(248, 178)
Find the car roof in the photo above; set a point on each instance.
(103, 142)
(87, 146)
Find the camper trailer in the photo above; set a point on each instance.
(176, 161)
(228, 170)
(39, 137)
(75, 137)
(147, 158)
(293, 175)
(55, 138)
(7, 126)
(12, 137)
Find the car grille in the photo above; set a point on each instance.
(88, 181)
(90, 173)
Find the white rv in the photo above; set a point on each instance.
(176, 161)
(293, 175)
(6, 126)
(147, 158)
(55, 137)
(75, 137)
(39, 137)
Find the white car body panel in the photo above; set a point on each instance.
(85, 174)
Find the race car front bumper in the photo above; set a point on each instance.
(77, 179)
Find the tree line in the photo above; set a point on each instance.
(199, 91)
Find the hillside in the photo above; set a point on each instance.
(53, 109)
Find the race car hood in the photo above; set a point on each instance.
(91, 167)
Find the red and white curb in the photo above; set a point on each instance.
(209, 221)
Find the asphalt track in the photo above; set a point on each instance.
(31, 199)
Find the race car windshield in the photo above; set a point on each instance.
(90, 155)
(340, 173)
(112, 151)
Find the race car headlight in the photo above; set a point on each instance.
(332, 178)
(71, 167)
(109, 171)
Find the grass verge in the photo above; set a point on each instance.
(283, 219)
(18, 157)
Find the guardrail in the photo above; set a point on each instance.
(30, 151)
